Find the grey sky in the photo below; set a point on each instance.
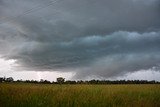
(106, 38)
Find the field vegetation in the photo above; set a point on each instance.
(79, 95)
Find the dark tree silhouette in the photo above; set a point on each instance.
(9, 79)
(60, 80)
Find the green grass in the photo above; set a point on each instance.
(41, 95)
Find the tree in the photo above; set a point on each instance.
(60, 80)
(1, 79)
(10, 79)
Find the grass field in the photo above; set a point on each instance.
(43, 95)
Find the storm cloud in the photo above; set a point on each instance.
(105, 38)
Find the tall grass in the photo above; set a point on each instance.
(40, 95)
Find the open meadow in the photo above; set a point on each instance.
(52, 95)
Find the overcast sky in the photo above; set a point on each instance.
(80, 39)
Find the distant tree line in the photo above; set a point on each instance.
(4, 79)
(61, 80)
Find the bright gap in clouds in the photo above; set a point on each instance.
(7, 70)
(142, 75)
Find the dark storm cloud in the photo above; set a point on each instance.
(102, 38)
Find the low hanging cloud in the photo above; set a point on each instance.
(101, 38)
